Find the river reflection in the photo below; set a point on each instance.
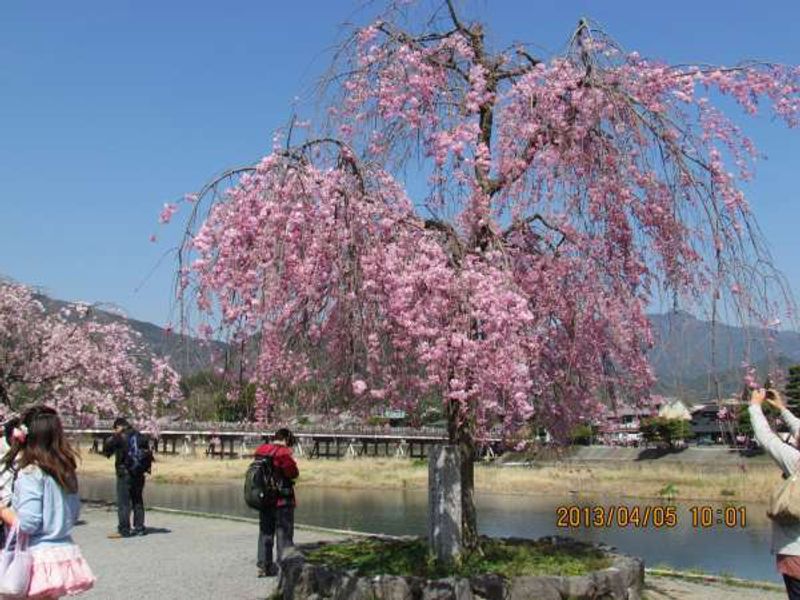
(742, 552)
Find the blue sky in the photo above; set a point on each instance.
(110, 109)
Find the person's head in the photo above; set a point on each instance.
(284, 436)
(13, 436)
(46, 446)
(121, 424)
(8, 429)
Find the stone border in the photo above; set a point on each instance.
(300, 579)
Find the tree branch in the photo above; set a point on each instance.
(520, 224)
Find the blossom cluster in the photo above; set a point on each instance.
(76, 362)
(564, 194)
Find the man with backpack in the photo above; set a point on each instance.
(132, 460)
(269, 488)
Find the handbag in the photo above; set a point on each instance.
(784, 506)
(16, 565)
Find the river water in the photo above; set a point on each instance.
(738, 551)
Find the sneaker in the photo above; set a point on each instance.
(142, 531)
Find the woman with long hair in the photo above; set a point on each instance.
(45, 506)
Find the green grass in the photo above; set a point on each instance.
(668, 492)
(411, 557)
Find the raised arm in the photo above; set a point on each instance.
(787, 456)
(110, 445)
(287, 465)
(792, 422)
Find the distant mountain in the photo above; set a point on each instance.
(701, 388)
(186, 354)
(681, 358)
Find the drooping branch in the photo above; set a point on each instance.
(619, 159)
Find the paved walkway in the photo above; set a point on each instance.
(669, 588)
(183, 558)
(197, 558)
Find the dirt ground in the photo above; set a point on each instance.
(686, 482)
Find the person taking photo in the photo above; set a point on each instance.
(132, 461)
(785, 536)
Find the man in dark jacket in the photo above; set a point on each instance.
(130, 477)
(277, 524)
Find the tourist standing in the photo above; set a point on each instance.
(46, 505)
(785, 537)
(132, 460)
(9, 449)
(276, 523)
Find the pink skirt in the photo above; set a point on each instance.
(59, 571)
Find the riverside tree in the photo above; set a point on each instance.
(665, 430)
(792, 388)
(76, 363)
(551, 199)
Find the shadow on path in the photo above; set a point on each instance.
(156, 530)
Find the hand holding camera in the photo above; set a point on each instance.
(768, 395)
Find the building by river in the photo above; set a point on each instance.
(711, 422)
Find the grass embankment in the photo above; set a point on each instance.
(412, 557)
(639, 480)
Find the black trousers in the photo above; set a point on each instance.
(129, 499)
(792, 587)
(275, 525)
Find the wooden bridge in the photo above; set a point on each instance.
(217, 440)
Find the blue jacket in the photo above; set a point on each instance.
(45, 511)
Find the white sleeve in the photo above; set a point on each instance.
(787, 456)
(792, 422)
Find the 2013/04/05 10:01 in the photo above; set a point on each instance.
(657, 517)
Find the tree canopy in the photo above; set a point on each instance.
(81, 365)
(665, 430)
(792, 389)
(561, 195)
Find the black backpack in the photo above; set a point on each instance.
(261, 488)
(139, 457)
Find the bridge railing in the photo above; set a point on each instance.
(257, 429)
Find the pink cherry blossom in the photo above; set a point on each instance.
(564, 194)
(167, 213)
(79, 364)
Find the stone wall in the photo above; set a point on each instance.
(302, 580)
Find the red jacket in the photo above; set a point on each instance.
(283, 461)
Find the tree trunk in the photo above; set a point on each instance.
(460, 434)
(452, 518)
(444, 503)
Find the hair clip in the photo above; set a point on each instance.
(20, 434)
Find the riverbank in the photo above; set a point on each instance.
(220, 563)
(642, 479)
